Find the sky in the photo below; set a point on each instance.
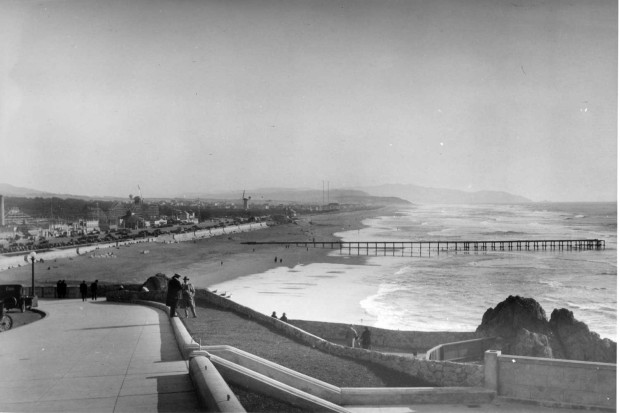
(189, 96)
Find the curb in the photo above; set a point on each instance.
(212, 390)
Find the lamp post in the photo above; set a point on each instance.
(32, 257)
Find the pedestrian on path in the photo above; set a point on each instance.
(84, 290)
(350, 336)
(188, 292)
(365, 338)
(174, 294)
(93, 290)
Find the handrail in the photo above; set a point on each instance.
(460, 350)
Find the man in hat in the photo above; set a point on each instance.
(188, 293)
(174, 294)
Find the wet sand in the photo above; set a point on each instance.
(221, 258)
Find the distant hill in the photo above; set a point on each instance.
(424, 195)
(15, 191)
(10, 190)
(342, 196)
(390, 194)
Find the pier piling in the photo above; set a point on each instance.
(401, 247)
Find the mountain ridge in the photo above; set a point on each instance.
(426, 195)
(389, 193)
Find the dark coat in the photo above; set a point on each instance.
(365, 339)
(174, 291)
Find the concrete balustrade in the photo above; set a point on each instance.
(350, 396)
(277, 372)
(213, 391)
(262, 384)
(461, 350)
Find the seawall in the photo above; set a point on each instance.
(18, 260)
(438, 373)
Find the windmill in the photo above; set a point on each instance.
(245, 201)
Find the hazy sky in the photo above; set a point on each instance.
(97, 97)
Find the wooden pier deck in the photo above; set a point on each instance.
(416, 248)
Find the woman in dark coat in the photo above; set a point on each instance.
(174, 294)
(84, 290)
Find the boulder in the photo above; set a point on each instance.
(521, 326)
(158, 282)
(578, 342)
(531, 344)
(512, 315)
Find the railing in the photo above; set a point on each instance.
(468, 350)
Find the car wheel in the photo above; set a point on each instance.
(6, 323)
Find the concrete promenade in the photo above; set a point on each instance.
(110, 357)
(94, 356)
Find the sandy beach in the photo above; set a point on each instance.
(221, 258)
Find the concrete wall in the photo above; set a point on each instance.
(552, 381)
(461, 350)
(11, 261)
(407, 341)
(439, 373)
(73, 291)
(213, 232)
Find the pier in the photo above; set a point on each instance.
(416, 248)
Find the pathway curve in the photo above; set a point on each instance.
(94, 356)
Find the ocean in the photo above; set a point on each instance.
(449, 291)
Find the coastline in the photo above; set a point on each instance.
(206, 261)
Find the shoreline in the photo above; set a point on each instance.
(206, 261)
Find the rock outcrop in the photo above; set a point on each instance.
(158, 282)
(578, 342)
(522, 329)
(510, 315)
(532, 344)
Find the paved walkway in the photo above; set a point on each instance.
(94, 356)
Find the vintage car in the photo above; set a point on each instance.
(13, 296)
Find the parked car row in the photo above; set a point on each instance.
(113, 235)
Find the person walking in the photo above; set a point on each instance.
(174, 294)
(365, 338)
(84, 290)
(350, 336)
(93, 290)
(284, 318)
(188, 292)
